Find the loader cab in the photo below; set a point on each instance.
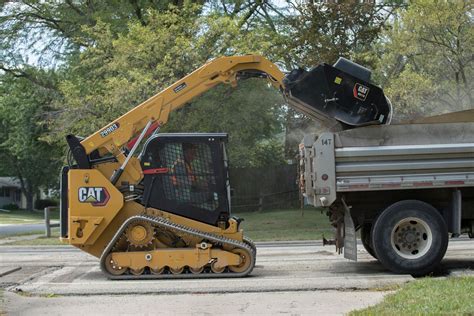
(187, 174)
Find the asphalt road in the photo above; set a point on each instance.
(12, 229)
(290, 277)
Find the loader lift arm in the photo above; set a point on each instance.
(225, 70)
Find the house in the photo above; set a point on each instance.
(10, 192)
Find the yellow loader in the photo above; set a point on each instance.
(165, 212)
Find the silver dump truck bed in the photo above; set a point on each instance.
(387, 157)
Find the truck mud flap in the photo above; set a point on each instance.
(350, 237)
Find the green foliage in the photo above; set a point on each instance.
(41, 204)
(23, 153)
(426, 62)
(56, 29)
(122, 71)
(267, 153)
(249, 113)
(322, 32)
(105, 57)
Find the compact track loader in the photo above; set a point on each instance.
(165, 212)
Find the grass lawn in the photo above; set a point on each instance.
(2, 304)
(40, 241)
(25, 217)
(453, 296)
(286, 225)
(260, 226)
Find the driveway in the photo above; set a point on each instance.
(290, 277)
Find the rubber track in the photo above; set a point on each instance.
(247, 245)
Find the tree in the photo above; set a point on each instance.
(119, 54)
(121, 71)
(322, 31)
(249, 113)
(51, 31)
(426, 59)
(55, 29)
(115, 54)
(23, 153)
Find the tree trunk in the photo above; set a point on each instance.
(29, 201)
(29, 193)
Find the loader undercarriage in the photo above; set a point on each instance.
(151, 246)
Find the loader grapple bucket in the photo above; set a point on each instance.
(341, 92)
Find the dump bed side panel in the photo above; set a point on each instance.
(394, 157)
(406, 134)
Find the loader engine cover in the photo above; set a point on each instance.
(342, 92)
(186, 174)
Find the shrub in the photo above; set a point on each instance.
(41, 204)
(10, 207)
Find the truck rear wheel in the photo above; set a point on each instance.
(365, 238)
(410, 237)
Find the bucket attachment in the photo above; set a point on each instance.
(341, 92)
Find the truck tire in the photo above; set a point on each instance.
(365, 238)
(410, 237)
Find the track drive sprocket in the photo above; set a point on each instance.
(140, 234)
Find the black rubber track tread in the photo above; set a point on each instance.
(247, 244)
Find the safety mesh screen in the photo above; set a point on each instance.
(190, 178)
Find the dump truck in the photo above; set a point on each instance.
(164, 211)
(406, 187)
